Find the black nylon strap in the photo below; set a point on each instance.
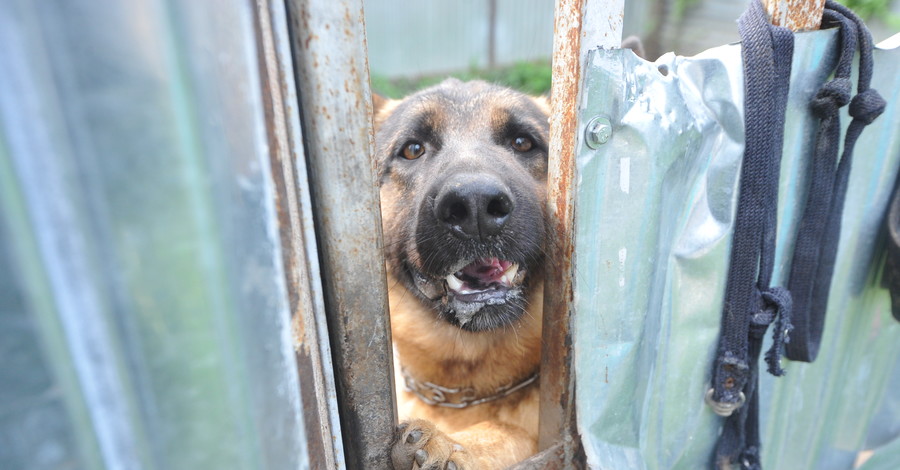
(820, 226)
(891, 278)
(750, 303)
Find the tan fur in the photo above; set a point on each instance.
(491, 435)
(498, 433)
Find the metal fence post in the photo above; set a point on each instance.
(580, 26)
(298, 242)
(331, 68)
(796, 15)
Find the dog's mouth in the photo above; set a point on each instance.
(479, 295)
(484, 280)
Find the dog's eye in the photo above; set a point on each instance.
(412, 150)
(522, 144)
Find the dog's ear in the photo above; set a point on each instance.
(634, 43)
(381, 108)
(378, 102)
(542, 102)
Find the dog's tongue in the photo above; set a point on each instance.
(486, 271)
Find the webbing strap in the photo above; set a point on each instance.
(891, 278)
(751, 305)
(820, 226)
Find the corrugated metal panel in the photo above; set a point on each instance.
(139, 220)
(654, 214)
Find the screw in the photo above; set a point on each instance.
(598, 132)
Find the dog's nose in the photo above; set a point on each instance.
(474, 206)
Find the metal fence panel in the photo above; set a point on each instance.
(143, 285)
(654, 216)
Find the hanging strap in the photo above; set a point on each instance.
(820, 226)
(891, 277)
(751, 304)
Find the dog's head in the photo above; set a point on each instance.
(462, 168)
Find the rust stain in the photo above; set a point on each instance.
(309, 39)
(335, 108)
(796, 15)
(557, 405)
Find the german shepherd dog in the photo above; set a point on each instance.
(462, 168)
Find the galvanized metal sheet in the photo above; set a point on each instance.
(140, 228)
(654, 217)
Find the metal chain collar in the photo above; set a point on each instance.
(461, 397)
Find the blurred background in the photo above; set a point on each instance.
(413, 44)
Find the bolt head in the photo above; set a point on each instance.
(598, 132)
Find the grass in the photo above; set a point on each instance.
(529, 77)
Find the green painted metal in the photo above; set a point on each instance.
(654, 214)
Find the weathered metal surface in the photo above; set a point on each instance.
(796, 15)
(571, 43)
(557, 381)
(601, 25)
(298, 245)
(136, 190)
(654, 215)
(329, 46)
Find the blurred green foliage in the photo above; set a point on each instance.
(529, 77)
(872, 9)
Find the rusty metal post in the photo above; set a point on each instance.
(297, 233)
(580, 25)
(331, 67)
(796, 15)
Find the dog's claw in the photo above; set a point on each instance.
(419, 445)
(421, 456)
(414, 436)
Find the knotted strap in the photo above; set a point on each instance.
(820, 226)
(751, 305)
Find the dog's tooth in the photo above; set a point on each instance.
(453, 282)
(519, 277)
(510, 274)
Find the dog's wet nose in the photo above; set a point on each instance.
(474, 206)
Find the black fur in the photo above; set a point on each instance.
(467, 129)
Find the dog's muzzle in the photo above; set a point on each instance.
(474, 238)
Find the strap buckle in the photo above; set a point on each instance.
(722, 408)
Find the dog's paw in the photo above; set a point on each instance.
(421, 445)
